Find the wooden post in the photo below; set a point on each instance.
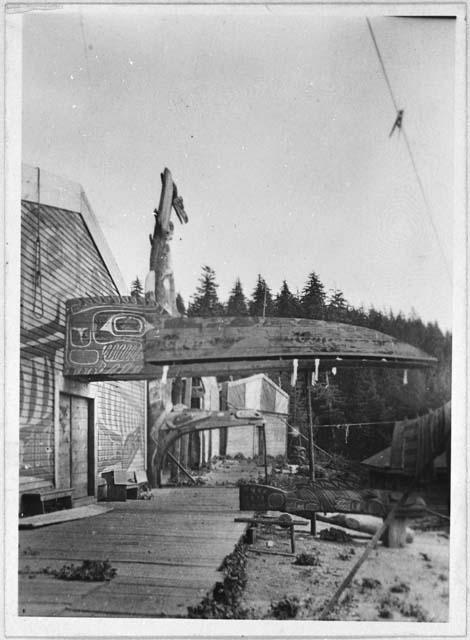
(263, 431)
(395, 535)
(160, 290)
(311, 448)
(292, 538)
(177, 398)
(209, 463)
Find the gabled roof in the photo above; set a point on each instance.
(41, 186)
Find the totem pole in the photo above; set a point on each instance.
(160, 292)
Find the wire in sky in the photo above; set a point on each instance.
(85, 49)
(428, 209)
(410, 152)
(382, 64)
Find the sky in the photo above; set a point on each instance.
(275, 124)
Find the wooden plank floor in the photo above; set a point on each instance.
(65, 515)
(167, 552)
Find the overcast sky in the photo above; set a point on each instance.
(275, 126)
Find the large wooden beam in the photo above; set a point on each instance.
(174, 340)
(242, 368)
(107, 339)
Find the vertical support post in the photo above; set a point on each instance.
(313, 524)
(177, 398)
(292, 538)
(265, 454)
(311, 449)
(209, 463)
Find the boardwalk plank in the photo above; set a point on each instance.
(147, 606)
(154, 573)
(166, 552)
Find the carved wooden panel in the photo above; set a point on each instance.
(320, 497)
(108, 338)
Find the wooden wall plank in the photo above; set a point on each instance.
(70, 266)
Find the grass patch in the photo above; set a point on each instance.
(29, 551)
(332, 534)
(369, 584)
(224, 601)
(308, 560)
(400, 587)
(388, 604)
(285, 609)
(88, 571)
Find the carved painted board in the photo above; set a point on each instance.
(119, 339)
(322, 497)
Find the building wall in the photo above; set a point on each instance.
(119, 423)
(276, 436)
(70, 266)
(243, 440)
(260, 393)
(211, 402)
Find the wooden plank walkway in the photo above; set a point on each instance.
(65, 515)
(167, 552)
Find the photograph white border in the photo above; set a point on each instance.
(15, 626)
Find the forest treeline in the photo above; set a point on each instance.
(372, 397)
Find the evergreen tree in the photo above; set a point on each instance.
(180, 306)
(236, 305)
(137, 289)
(364, 404)
(376, 320)
(313, 298)
(358, 316)
(286, 304)
(416, 330)
(205, 301)
(261, 302)
(337, 308)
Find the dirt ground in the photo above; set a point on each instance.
(394, 584)
(410, 583)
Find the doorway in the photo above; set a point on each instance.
(76, 447)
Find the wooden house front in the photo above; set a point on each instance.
(69, 432)
(261, 393)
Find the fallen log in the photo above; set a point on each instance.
(364, 524)
(272, 553)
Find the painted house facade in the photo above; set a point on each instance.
(69, 431)
(261, 393)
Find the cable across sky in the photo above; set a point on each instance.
(410, 152)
